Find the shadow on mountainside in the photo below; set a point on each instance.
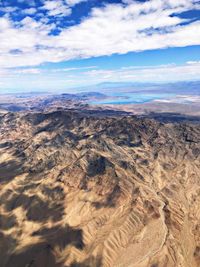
(168, 117)
(9, 170)
(43, 253)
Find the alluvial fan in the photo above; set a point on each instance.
(87, 191)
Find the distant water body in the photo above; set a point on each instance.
(131, 98)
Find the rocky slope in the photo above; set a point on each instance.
(83, 191)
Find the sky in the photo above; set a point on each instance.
(59, 45)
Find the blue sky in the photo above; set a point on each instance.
(58, 45)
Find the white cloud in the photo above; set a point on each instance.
(137, 27)
(74, 69)
(34, 79)
(74, 2)
(30, 11)
(8, 9)
(10, 73)
(5, 24)
(114, 28)
(163, 73)
(193, 62)
(56, 8)
(27, 71)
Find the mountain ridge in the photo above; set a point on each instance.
(80, 190)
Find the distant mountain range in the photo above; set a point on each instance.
(97, 90)
(192, 87)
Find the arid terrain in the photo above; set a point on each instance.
(99, 133)
(173, 110)
(81, 190)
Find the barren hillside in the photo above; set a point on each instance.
(85, 191)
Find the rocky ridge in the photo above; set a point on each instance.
(87, 191)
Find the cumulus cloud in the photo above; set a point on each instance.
(30, 11)
(8, 9)
(74, 2)
(113, 28)
(56, 8)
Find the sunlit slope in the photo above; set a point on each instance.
(86, 191)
